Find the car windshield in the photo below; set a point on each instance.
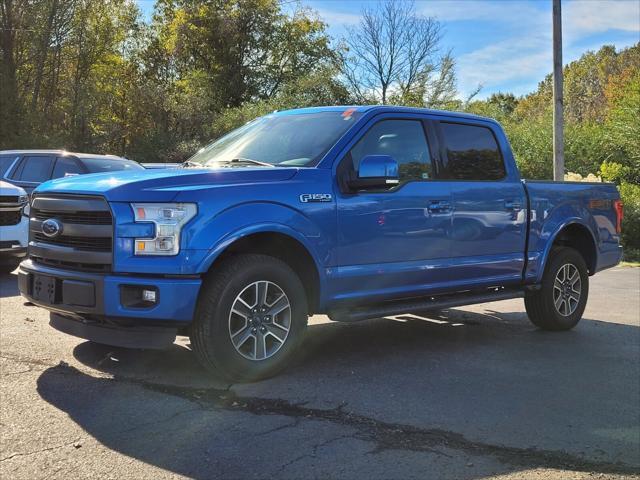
(99, 165)
(295, 140)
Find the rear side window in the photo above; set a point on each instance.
(65, 167)
(404, 141)
(472, 153)
(34, 169)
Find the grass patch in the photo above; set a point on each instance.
(630, 264)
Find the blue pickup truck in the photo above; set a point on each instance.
(353, 212)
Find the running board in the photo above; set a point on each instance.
(356, 314)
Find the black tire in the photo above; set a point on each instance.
(210, 332)
(9, 265)
(540, 305)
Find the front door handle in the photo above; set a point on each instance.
(439, 206)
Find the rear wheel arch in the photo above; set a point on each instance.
(580, 238)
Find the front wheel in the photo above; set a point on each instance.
(562, 298)
(250, 318)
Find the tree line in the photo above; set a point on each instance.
(93, 75)
(96, 76)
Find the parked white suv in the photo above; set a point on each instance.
(14, 226)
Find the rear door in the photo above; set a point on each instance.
(489, 205)
(32, 171)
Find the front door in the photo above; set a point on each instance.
(392, 243)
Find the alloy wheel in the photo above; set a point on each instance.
(567, 288)
(260, 320)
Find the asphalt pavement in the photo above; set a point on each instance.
(466, 393)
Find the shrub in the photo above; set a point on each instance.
(630, 194)
(615, 172)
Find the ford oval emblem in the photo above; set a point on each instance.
(51, 227)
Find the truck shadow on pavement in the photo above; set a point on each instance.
(8, 285)
(466, 394)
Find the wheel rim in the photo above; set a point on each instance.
(260, 320)
(567, 288)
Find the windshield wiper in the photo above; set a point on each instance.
(189, 164)
(249, 160)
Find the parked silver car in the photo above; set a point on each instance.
(30, 168)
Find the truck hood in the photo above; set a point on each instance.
(10, 190)
(161, 185)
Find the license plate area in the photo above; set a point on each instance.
(44, 288)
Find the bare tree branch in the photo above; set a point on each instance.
(393, 55)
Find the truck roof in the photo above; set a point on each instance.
(384, 109)
(57, 152)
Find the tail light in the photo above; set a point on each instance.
(618, 205)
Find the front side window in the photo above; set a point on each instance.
(404, 141)
(66, 166)
(34, 169)
(472, 153)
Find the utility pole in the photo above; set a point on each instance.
(558, 127)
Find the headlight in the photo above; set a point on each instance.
(168, 219)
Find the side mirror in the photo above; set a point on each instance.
(376, 171)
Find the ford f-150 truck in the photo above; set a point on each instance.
(353, 212)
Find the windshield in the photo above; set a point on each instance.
(99, 165)
(293, 140)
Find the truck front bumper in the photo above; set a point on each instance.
(110, 308)
(13, 240)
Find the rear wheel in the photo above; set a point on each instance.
(250, 319)
(562, 298)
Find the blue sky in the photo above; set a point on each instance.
(503, 45)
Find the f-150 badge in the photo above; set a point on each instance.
(315, 197)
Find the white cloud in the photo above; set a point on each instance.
(513, 60)
(526, 57)
(334, 17)
(480, 10)
(581, 18)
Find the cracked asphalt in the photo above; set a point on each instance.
(466, 393)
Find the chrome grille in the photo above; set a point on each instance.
(99, 244)
(85, 241)
(82, 218)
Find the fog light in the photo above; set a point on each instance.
(139, 296)
(149, 296)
